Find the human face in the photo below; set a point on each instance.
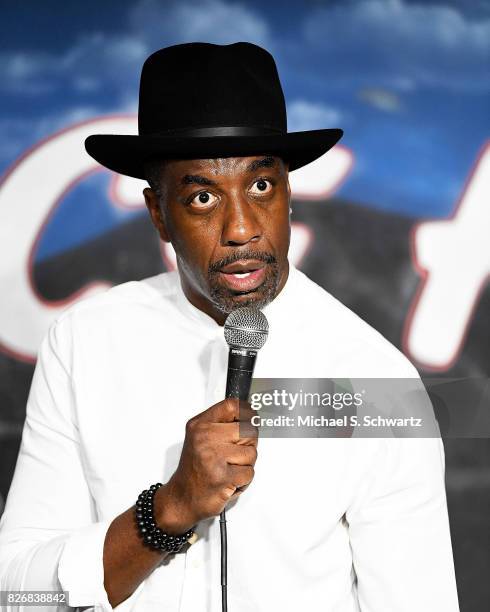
(228, 221)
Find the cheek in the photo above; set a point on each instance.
(278, 229)
(194, 241)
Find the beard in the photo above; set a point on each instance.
(226, 300)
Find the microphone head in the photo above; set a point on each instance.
(246, 328)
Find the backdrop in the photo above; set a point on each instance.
(394, 221)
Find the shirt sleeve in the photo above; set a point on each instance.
(399, 531)
(50, 538)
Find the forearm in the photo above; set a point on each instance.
(127, 561)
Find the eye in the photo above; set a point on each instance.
(204, 199)
(261, 187)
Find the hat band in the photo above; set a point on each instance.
(212, 132)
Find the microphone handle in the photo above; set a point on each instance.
(241, 363)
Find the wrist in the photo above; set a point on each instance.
(171, 512)
(151, 532)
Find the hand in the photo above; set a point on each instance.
(215, 465)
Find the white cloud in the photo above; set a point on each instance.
(381, 98)
(98, 60)
(305, 115)
(213, 21)
(425, 44)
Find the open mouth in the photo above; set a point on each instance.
(244, 275)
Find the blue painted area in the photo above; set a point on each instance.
(83, 214)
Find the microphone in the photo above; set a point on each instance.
(246, 331)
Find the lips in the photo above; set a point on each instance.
(243, 275)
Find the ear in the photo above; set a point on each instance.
(153, 204)
(289, 188)
(286, 171)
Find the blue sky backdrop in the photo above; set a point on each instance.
(408, 81)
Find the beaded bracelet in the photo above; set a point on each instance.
(151, 534)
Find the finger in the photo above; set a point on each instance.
(229, 432)
(226, 411)
(239, 490)
(241, 455)
(247, 433)
(241, 475)
(246, 411)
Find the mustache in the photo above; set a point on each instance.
(264, 256)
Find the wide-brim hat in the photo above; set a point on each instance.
(203, 101)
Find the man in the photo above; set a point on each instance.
(128, 391)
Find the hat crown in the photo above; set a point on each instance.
(203, 85)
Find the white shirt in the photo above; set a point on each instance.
(330, 525)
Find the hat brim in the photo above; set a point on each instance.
(128, 154)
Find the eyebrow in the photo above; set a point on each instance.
(265, 162)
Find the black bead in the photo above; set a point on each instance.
(148, 529)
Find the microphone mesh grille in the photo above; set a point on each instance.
(246, 328)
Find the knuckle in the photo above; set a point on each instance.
(191, 425)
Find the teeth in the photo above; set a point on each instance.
(242, 274)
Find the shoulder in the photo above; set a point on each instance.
(121, 301)
(331, 322)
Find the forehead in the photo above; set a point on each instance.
(222, 165)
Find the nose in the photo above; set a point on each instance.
(240, 223)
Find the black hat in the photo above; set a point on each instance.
(200, 100)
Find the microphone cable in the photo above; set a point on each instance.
(224, 561)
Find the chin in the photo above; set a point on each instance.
(254, 299)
